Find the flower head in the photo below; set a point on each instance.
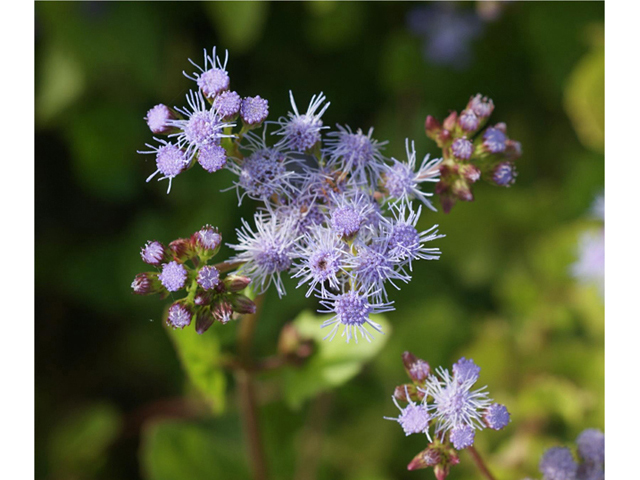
(152, 253)
(322, 256)
(497, 416)
(300, 132)
(348, 214)
(173, 276)
(208, 277)
(504, 174)
(414, 418)
(208, 238)
(254, 110)
(557, 463)
(158, 117)
(591, 445)
(201, 126)
(212, 157)
(170, 160)
(227, 104)
(351, 310)
(494, 140)
(268, 251)
(454, 402)
(462, 148)
(355, 153)
(179, 315)
(462, 436)
(403, 182)
(213, 78)
(465, 370)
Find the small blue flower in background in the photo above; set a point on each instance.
(589, 267)
(447, 32)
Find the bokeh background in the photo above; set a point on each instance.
(112, 400)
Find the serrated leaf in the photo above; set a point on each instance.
(200, 358)
(173, 450)
(333, 364)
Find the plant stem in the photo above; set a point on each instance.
(480, 463)
(246, 391)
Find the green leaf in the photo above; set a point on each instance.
(79, 443)
(334, 363)
(200, 357)
(240, 24)
(173, 450)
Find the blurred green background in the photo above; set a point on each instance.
(112, 400)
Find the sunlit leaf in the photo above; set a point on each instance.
(334, 363)
(199, 356)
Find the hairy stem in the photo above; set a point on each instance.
(246, 392)
(480, 463)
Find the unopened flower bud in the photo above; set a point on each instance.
(408, 392)
(179, 315)
(236, 283)
(242, 304)
(481, 106)
(204, 319)
(417, 369)
(146, 284)
(450, 122)
(203, 298)
(158, 118)
(461, 190)
(513, 149)
(468, 121)
(470, 172)
(428, 457)
(432, 127)
(153, 253)
(181, 249)
(222, 311)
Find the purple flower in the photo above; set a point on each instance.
(589, 268)
(497, 416)
(557, 463)
(462, 436)
(208, 277)
(351, 311)
(590, 471)
(254, 110)
(405, 243)
(465, 370)
(200, 127)
(268, 251)
(212, 157)
(494, 140)
(213, 78)
(462, 148)
(170, 161)
(227, 104)
(454, 403)
(158, 117)
(300, 132)
(179, 316)
(414, 418)
(349, 214)
(152, 253)
(403, 183)
(372, 267)
(504, 174)
(322, 257)
(591, 445)
(173, 276)
(355, 153)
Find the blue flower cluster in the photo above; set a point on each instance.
(334, 212)
(558, 463)
(451, 404)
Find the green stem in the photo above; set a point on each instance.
(480, 463)
(246, 391)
